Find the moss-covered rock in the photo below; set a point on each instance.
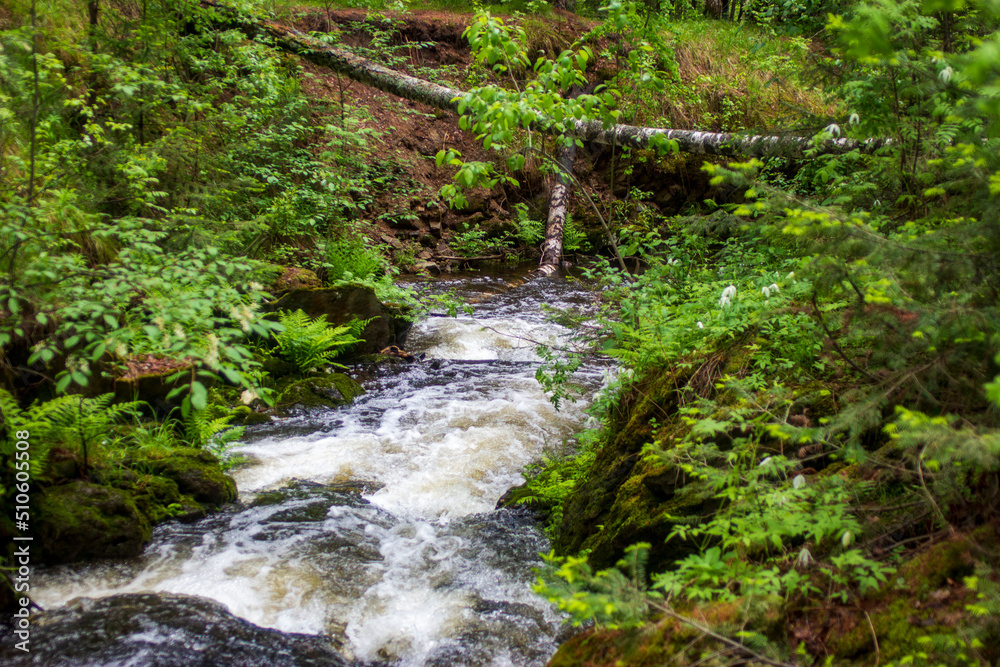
(82, 520)
(328, 390)
(929, 598)
(160, 499)
(243, 415)
(196, 472)
(624, 499)
(296, 278)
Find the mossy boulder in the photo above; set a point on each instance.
(82, 520)
(930, 598)
(624, 499)
(388, 326)
(160, 499)
(296, 278)
(327, 390)
(196, 472)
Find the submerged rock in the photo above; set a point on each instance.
(161, 630)
(81, 520)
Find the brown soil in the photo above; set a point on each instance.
(409, 216)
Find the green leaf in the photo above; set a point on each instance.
(199, 396)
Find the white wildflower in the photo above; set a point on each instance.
(766, 291)
(805, 558)
(212, 355)
(764, 462)
(847, 539)
(854, 119)
(256, 287)
(179, 332)
(799, 482)
(946, 73)
(728, 295)
(833, 129)
(700, 325)
(774, 288)
(790, 276)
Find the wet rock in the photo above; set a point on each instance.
(428, 267)
(161, 630)
(81, 520)
(329, 390)
(196, 472)
(389, 325)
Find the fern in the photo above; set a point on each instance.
(204, 430)
(310, 343)
(68, 420)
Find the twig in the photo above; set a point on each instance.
(836, 345)
(724, 639)
(878, 653)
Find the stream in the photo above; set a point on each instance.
(365, 534)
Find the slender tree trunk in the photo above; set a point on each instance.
(93, 11)
(552, 248)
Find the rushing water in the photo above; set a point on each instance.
(373, 525)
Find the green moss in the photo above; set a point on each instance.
(197, 473)
(623, 499)
(81, 520)
(160, 499)
(243, 415)
(329, 390)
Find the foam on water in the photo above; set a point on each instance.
(416, 568)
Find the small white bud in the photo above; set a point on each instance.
(700, 325)
(847, 539)
(764, 462)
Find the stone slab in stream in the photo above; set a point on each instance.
(161, 630)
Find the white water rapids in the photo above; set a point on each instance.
(373, 524)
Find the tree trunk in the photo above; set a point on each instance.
(558, 204)
(443, 97)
